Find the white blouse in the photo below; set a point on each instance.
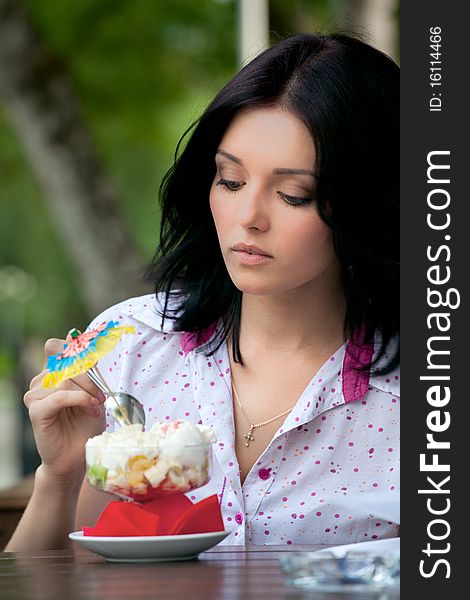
(330, 474)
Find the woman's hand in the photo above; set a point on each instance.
(63, 418)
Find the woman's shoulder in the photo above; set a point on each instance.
(153, 348)
(144, 311)
(154, 314)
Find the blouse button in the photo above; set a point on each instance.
(239, 518)
(264, 473)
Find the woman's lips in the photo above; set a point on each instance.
(250, 249)
(251, 259)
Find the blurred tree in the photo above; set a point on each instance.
(41, 104)
(137, 74)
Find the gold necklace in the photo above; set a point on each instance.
(249, 435)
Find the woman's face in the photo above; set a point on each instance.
(263, 195)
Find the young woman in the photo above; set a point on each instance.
(275, 318)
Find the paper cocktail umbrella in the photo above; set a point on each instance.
(82, 354)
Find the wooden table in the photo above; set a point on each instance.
(222, 573)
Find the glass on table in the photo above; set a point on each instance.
(356, 571)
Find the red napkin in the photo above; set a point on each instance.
(173, 515)
(124, 518)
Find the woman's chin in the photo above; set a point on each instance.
(256, 288)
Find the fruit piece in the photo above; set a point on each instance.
(141, 489)
(155, 475)
(135, 478)
(177, 480)
(135, 470)
(97, 474)
(139, 463)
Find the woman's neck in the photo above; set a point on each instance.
(303, 321)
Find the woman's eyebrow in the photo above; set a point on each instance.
(293, 172)
(278, 171)
(230, 156)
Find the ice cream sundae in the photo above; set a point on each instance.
(143, 465)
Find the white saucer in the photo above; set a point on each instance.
(149, 548)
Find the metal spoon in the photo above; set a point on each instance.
(129, 406)
(129, 411)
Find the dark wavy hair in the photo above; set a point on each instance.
(347, 94)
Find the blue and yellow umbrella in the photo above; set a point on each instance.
(83, 352)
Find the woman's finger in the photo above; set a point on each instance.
(82, 382)
(50, 406)
(85, 383)
(51, 347)
(37, 379)
(38, 392)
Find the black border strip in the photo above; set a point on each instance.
(434, 135)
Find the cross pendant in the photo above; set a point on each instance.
(249, 437)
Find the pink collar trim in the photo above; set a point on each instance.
(190, 340)
(358, 352)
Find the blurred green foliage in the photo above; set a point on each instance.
(141, 70)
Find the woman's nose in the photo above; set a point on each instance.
(253, 210)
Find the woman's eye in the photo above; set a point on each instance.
(230, 186)
(295, 200)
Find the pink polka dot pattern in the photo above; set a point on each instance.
(328, 459)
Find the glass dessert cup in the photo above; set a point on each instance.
(146, 474)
